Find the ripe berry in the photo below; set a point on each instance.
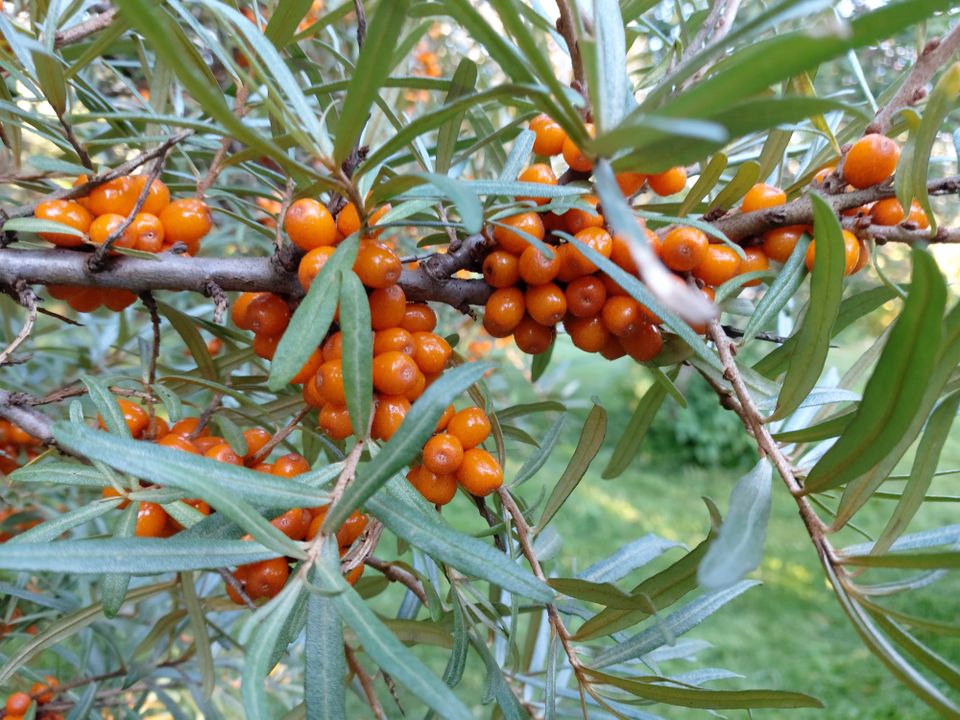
(309, 224)
(67, 212)
(394, 373)
(148, 232)
(778, 244)
(621, 315)
(348, 220)
(158, 197)
(18, 703)
(186, 220)
(352, 529)
(290, 465)
(134, 416)
(503, 311)
(644, 344)
(575, 157)
(268, 314)
(585, 296)
(501, 268)
(265, 346)
(546, 303)
(550, 136)
(256, 438)
(207, 441)
(178, 442)
(444, 419)
(312, 263)
(388, 416)
(762, 196)
(294, 523)
(224, 453)
(631, 182)
(684, 248)
(105, 225)
(376, 266)
(388, 306)
(443, 454)
(539, 173)
(719, 264)
(329, 382)
(820, 179)
(309, 369)
(419, 386)
(871, 160)
(470, 426)
(508, 231)
(151, 519)
(889, 211)
(188, 426)
(394, 338)
(335, 421)
(535, 268)
(116, 196)
(862, 258)
(851, 249)
(576, 219)
(432, 353)
(532, 337)
(333, 347)
(436, 489)
(266, 578)
(43, 692)
(589, 333)
(479, 473)
(756, 261)
(238, 311)
(669, 182)
(613, 350)
(419, 317)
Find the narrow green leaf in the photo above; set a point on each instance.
(284, 21)
(466, 200)
(51, 80)
(611, 87)
(630, 441)
(781, 291)
(710, 175)
(540, 456)
(628, 558)
(463, 82)
(201, 638)
(37, 225)
(114, 585)
(187, 329)
(821, 431)
(326, 666)
(106, 404)
(357, 350)
(52, 529)
(258, 659)
(591, 439)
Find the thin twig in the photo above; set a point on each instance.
(566, 26)
(216, 165)
(361, 23)
(715, 27)
(279, 437)
(230, 580)
(80, 31)
(28, 299)
(365, 682)
(395, 573)
(75, 143)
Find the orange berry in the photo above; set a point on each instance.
(501, 268)
(356, 573)
(223, 453)
(508, 231)
(872, 159)
(418, 387)
(388, 306)
(158, 197)
(268, 314)
(329, 382)
(851, 249)
(585, 296)
(621, 315)
(238, 311)
(186, 220)
(644, 344)
(596, 239)
(312, 263)
(105, 225)
(443, 454)
(613, 350)
(309, 369)
(376, 266)
(822, 174)
(503, 311)
(778, 244)
(756, 261)
(470, 426)
(66, 212)
(536, 268)
(348, 220)
(576, 219)
(43, 692)
(294, 523)
(589, 333)
(310, 395)
(266, 579)
(622, 254)
(256, 438)
(148, 232)
(532, 337)
(669, 182)
(115, 196)
(151, 519)
(18, 703)
(479, 473)
(432, 353)
(862, 258)
(394, 338)
(887, 211)
(546, 303)
(112, 492)
(333, 347)
(575, 157)
(436, 489)
(917, 216)
(539, 173)
(265, 346)
(290, 465)
(86, 300)
(719, 264)
(419, 317)
(134, 416)
(550, 136)
(188, 426)
(444, 419)
(335, 421)
(762, 196)
(684, 248)
(202, 444)
(631, 182)
(394, 373)
(309, 224)
(352, 528)
(178, 442)
(388, 416)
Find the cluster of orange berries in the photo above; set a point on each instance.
(18, 704)
(14, 440)
(160, 223)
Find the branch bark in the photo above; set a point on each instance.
(88, 27)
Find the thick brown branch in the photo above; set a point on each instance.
(14, 409)
(567, 28)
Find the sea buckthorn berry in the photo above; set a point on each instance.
(188, 426)
(238, 311)
(394, 373)
(872, 159)
(596, 239)
(376, 266)
(224, 453)
(443, 453)
(178, 442)
(394, 338)
(719, 264)
(621, 315)
(575, 157)
(311, 396)
(613, 350)
(388, 416)
(669, 182)
(111, 492)
(585, 296)
(266, 579)
(208, 441)
(539, 173)
(550, 136)
(115, 196)
(501, 268)
(436, 489)
(508, 231)
(151, 519)
(644, 344)
(503, 311)
(851, 249)
(86, 300)
(240, 575)
(354, 575)
(43, 692)
(589, 333)
(312, 263)
(917, 216)
(329, 382)
(318, 516)
(631, 182)
(545, 303)
(158, 197)
(684, 248)
(444, 419)
(470, 426)
(309, 369)
(105, 225)
(268, 314)
(256, 438)
(820, 179)
(418, 387)
(352, 528)
(293, 523)
(348, 220)
(889, 211)
(432, 353)
(535, 268)
(778, 244)
(762, 196)
(290, 465)
(419, 317)
(576, 219)
(333, 347)
(387, 307)
(148, 232)
(863, 258)
(18, 703)
(68, 213)
(186, 220)
(310, 225)
(134, 416)
(532, 337)
(479, 473)
(335, 421)
(756, 261)
(265, 346)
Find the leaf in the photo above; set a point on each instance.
(591, 439)
(609, 91)
(114, 585)
(187, 329)
(38, 225)
(630, 441)
(738, 548)
(895, 390)
(311, 321)
(672, 626)
(372, 68)
(821, 431)
(826, 290)
(541, 454)
(383, 647)
(416, 429)
(783, 288)
(284, 21)
(357, 355)
(201, 638)
(463, 82)
(51, 80)
(466, 200)
(258, 658)
(745, 178)
(710, 175)
(633, 555)
(54, 528)
(432, 534)
(326, 667)
(949, 559)
(106, 405)
(457, 662)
